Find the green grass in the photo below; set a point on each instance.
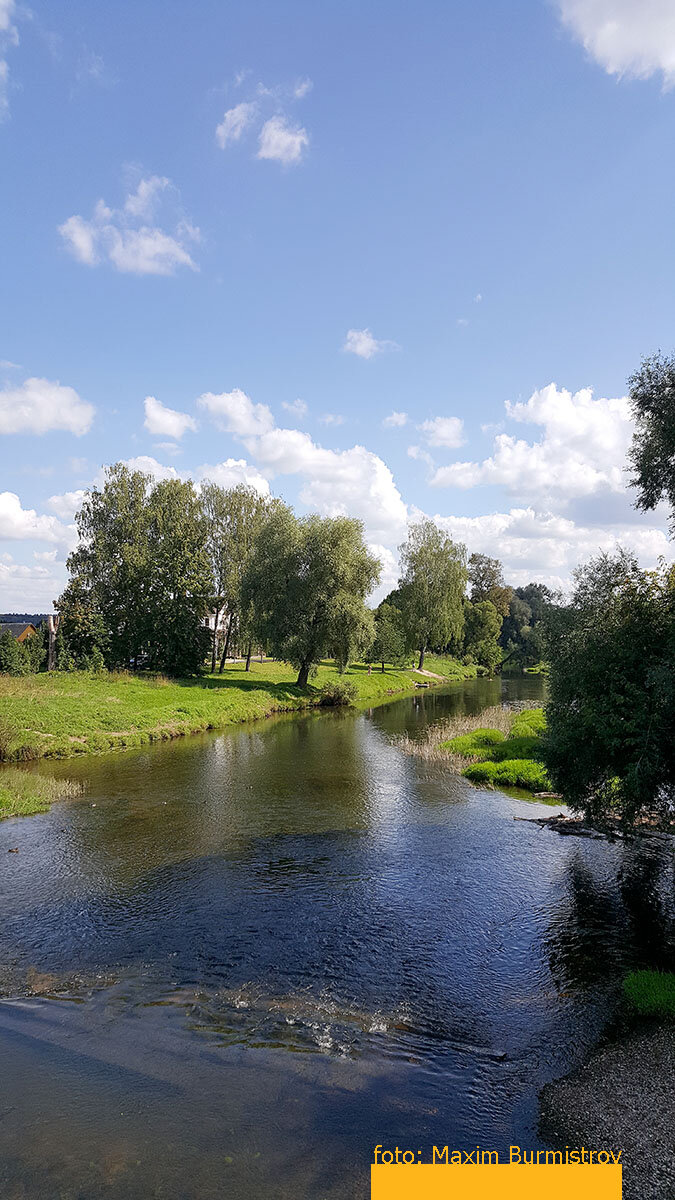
(23, 793)
(58, 715)
(512, 772)
(510, 761)
(651, 993)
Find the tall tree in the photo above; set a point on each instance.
(389, 645)
(305, 579)
(609, 745)
(652, 453)
(482, 624)
(434, 576)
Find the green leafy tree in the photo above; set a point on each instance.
(482, 625)
(523, 633)
(434, 576)
(303, 577)
(652, 453)
(389, 644)
(609, 746)
(353, 629)
(10, 656)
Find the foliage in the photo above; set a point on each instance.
(306, 586)
(21, 658)
(651, 993)
(652, 453)
(529, 722)
(523, 633)
(336, 692)
(234, 518)
(511, 772)
(139, 579)
(482, 624)
(389, 643)
(609, 746)
(486, 576)
(353, 629)
(474, 745)
(431, 593)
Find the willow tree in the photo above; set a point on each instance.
(306, 586)
(431, 592)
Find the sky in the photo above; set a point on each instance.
(376, 258)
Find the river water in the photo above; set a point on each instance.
(239, 962)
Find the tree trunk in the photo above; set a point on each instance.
(421, 662)
(227, 642)
(214, 648)
(248, 656)
(303, 674)
(383, 668)
(52, 626)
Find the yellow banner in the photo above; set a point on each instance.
(495, 1182)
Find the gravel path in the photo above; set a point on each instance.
(622, 1099)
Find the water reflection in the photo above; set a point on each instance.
(305, 942)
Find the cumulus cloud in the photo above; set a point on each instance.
(21, 524)
(582, 449)
(41, 405)
(234, 412)
(332, 419)
(166, 422)
(125, 237)
(281, 141)
(66, 505)
(28, 587)
(626, 38)
(234, 123)
(546, 547)
(362, 343)
(395, 420)
(443, 431)
(232, 472)
(9, 36)
(150, 466)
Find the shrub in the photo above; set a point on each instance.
(513, 772)
(337, 692)
(516, 747)
(651, 993)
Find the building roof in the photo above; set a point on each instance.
(17, 628)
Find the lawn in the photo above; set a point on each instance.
(59, 715)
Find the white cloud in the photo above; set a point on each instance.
(332, 419)
(234, 412)
(166, 422)
(302, 88)
(462, 322)
(168, 447)
(477, 298)
(41, 405)
(281, 141)
(296, 408)
(66, 505)
(362, 343)
(19, 524)
(232, 472)
(7, 365)
(31, 588)
(46, 556)
(149, 466)
(123, 238)
(395, 420)
(582, 450)
(443, 431)
(9, 36)
(420, 455)
(626, 37)
(234, 123)
(546, 547)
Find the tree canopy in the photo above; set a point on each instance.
(433, 581)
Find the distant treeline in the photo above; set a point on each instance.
(27, 618)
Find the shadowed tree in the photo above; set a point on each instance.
(306, 585)
(652, 453)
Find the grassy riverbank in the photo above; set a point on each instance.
(59, 715)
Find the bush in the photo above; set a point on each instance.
(336, 692)
(513, 772)
(651, 993)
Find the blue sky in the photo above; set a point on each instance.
(285, 223)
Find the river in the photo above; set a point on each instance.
(259, 954)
